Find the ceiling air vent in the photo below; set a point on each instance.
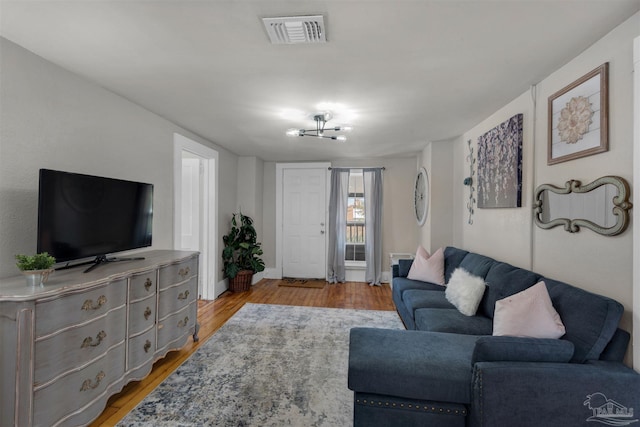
(295, 29)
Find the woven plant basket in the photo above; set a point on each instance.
(242, 281)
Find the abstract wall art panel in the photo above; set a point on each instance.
(500, 165)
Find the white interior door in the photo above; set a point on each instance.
(191, 203)
(304, 223)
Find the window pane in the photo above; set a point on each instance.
(354, 250)
(354, 253)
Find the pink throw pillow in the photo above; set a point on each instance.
(428, 268)
(529, 313)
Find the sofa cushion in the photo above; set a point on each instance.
(452, 258)
(403, 311)
(450, 320)
(428, 268)
(415, 299)
(402, 284)
(404, 265)
(590, 320)
(504, 280)
(411, 364)
(528, 313)
(517, 349)
(465, 291)
(476, 264)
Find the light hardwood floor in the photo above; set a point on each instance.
(213, 314)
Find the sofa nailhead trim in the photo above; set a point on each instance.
(410, 406)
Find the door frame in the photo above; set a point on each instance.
(209, 251)
(280, 168)
(636, 212)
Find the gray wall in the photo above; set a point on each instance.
(51, 118)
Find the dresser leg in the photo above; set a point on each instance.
(195, 333)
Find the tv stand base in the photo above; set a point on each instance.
(99, 260)
(102, 259)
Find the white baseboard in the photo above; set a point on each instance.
(271, 273)
(220, 287)
(386, 277)
(351, 275)
(357, 275)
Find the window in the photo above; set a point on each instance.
(354, 250)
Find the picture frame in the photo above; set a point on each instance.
(579, 118)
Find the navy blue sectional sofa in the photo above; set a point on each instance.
(448, 370)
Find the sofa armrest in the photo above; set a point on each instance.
(617, 347)
(535, 394)
(518, 349)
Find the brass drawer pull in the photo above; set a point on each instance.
(88, 304)
(147, 284)
(90, 385)
(147, 346)
(184, 272)
(147, 313)
(88, 341)
(183, 295)
(183, 323)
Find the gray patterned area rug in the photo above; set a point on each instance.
(269, 365)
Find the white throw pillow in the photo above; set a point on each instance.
(465, 291)
(428, 268)
(529, 313)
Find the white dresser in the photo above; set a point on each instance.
(69, 345)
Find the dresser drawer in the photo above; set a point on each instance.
(77, 346)
(179, 272)
(142, 349)
(77, 389)
(177, 297)
(172, 329)
(58, 313)
(142, 315)
(142, 285)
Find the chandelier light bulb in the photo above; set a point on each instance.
(293, 132)
(341, 138)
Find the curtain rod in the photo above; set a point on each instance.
(359, 167)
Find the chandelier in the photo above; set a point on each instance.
(321, 120)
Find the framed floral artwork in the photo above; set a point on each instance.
(578, 118)
(500, 165)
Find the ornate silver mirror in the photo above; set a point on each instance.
(602, 206)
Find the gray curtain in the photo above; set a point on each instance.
(373, 231)
(337, 224)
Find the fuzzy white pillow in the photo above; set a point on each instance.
(465, 291)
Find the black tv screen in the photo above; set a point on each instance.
(82, 216)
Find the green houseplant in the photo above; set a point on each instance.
(35, 268)
(241, 253)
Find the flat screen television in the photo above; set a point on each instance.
(82, 216)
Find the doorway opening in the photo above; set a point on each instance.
(195, 208)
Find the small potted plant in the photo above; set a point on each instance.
(36, 268)
(241, 253)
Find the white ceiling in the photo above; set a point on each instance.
(402, 72)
